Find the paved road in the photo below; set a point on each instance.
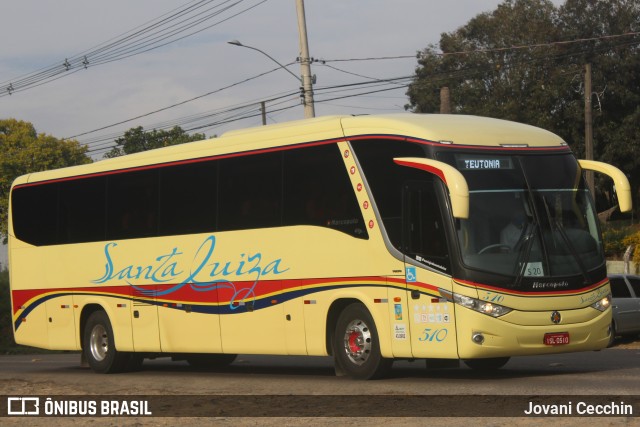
(612, 372)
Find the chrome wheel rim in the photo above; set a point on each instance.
(99, 343)
(357, 342)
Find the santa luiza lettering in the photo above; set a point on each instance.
(203, 272)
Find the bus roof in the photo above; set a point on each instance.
(452, 129)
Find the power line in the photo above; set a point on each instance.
(351, 73)
(373, 58)
(186, 21)
(373, 86)
(174, 105)
(489, 50)
(251, 110)
(198, 121)
(538, 45)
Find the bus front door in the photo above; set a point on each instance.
(431, 316)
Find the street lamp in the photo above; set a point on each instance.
(306, 83)
(237, 43)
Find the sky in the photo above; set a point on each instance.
(37, 35)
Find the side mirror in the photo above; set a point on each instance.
(452, 178)
(623, 188)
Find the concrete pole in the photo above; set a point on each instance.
(305, 62)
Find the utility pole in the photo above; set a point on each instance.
(263, 107)
(588, 125)
(445, 100)
(305, 62)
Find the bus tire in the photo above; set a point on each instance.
(210, 361)
(356, 345)
(490, 364)
(98, 345)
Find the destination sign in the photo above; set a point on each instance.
(466, 162)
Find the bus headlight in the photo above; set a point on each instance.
(484, 307)
(603, 304)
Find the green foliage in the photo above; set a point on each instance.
(540, 82)
(615, 241)
(633, 239)
(6, 329)
(137, 139)
(22, 151)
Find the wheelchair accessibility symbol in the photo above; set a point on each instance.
(411, 274)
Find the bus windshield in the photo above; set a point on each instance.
(529, 215)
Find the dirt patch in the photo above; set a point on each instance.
(632, 343)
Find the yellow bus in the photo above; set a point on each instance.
(369, 238)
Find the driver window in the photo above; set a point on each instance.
(424, 236)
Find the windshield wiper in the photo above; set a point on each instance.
(523, 259)
(554, 222)
(572, 250)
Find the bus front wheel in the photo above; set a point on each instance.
(98, 345)
(356, 345)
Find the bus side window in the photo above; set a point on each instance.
(132, 205)
(82, 210)
(35, 214)
(250, 192)
(318, 191)
(188, 198)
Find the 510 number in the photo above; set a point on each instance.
(431, 335)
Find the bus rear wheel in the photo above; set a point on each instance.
(98, 345)
(356, 345)
(489, 364)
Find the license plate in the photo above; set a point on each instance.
(560, 338)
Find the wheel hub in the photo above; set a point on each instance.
(357, 342)
(99, 343)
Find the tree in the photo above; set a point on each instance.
(136, 140)
(22, 151)
(513, 63)
(484, 78)
(615, 64)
